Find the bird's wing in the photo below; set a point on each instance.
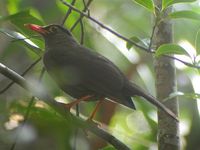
(97, 72)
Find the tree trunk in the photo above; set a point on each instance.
(168, 128)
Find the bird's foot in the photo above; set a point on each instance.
(68, 106)
(77, 101)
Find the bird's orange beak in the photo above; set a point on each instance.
(36, 28)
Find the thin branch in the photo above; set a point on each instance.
(60, 109)
(124, 38)
(105, 27)
(86, 5)
(81, 22)
(81, 16)
(82, 33)
(185, 63)
(152, 34)
(68, 12)
(27, 70)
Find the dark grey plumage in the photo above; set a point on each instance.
(80, 71)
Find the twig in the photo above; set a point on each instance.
(185, 63)
(124, 38)
(171, 57)
(81, 16)
(152, 34)
(68, 13)
(60, 109)
(27, 70)
(105, 27)
(82, 33)
(86, 5)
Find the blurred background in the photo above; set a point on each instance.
(138, 129)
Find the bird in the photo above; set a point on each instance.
(85, 74)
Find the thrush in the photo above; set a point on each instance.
(85, 74)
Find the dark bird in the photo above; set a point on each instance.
(85, 74)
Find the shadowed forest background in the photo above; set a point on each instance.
(43, 129)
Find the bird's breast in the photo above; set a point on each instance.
(65, 72)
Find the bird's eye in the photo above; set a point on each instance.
(53, 29)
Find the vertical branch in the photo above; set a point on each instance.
(168, 129)
(68, 12)
(82, 33)
(81, 16)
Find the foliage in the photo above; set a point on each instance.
(132, 21)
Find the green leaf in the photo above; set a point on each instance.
(170, 49)
(166, 3)
(18, 36)
(21, 18)
(148, 4)
(185, 14)
(137, 41)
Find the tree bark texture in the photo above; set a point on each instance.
(168, 129)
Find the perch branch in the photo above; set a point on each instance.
(27, 70)
(59, 108)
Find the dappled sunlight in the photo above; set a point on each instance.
(34, 116)
(137, 123)
(40, 104)
(120, 44)
(132, 128)
(14, 121)
(195, 83)
(190, 50)
(153, 115)
(61, 99)
(184, 131)
(147, 77)
(188, 47)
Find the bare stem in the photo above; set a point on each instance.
(68, 13)
(81, 16)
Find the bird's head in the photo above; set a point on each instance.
(49, 30)
(53, 34)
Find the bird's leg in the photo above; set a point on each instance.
(95, 109)
(77, 101)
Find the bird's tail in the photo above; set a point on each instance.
(134, 90)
